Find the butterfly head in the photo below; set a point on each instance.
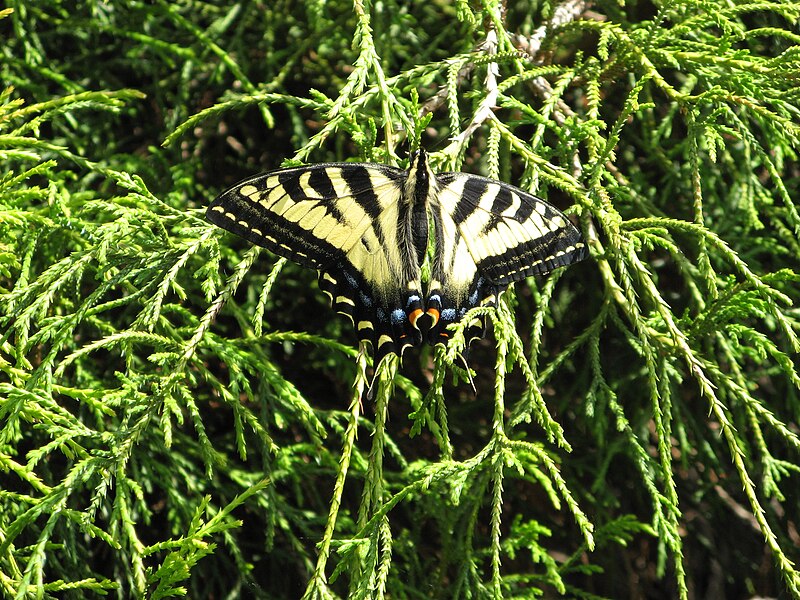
(418, 155)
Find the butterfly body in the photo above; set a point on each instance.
(368, 229)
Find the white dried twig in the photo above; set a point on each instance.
(484, 111)
(564, 13)
(567, 11)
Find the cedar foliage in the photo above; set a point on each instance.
(180, 414)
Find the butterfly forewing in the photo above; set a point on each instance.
(307, 214)
(509, 233)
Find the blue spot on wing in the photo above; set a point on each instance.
(366, 300)
(350, 279)
(411, 300)
(475, 296)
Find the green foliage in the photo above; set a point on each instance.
(180, 414)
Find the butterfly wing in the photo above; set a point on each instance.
(491, 235)
(343, 220)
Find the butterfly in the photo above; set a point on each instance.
(373, 230)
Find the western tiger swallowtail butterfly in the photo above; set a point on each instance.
(368, 229)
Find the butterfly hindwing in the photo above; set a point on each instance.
(381, 320)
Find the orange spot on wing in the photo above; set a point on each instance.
(434, 314)
(415, 314)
